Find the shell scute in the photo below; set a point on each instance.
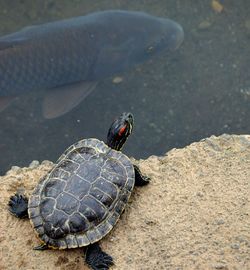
(47, 207)
(89, 170)
(82, 240)
(77, 186)
(104, 198)
(71, 241)
(106, 187)
(68, 165)
(59, 173)
(97, 208)
(77, 223)
(56, 224)
(93, 235)
(67, 203)
(88, 213)
(54, 187)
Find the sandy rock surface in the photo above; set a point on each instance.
(193, 215)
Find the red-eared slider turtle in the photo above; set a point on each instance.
(80, 200)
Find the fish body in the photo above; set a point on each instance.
(85, 48)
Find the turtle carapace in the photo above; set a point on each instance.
(80, 200)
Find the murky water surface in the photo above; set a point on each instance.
(201, 89)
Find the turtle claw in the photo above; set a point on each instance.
(97, 259)
(41, 247)
(18, 205)
(140, 179)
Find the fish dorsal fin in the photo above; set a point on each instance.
(11, 43)
(18, 38)
(61, 100)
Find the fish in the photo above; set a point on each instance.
(67, 58)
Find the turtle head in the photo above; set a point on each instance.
(119, 131)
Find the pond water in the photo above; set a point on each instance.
(199, 90)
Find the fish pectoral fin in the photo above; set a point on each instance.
(61, 100)
(5, 102)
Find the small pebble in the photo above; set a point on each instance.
(200, 194)
(241, 239)
(47, 163)
(204, 25)
(14, 169)
(219, 222)
(34, 164)
(247, 24)
(220, 266)
(150, 222)
(129, 260)
(235, 246)
(117, 80)
(217, 6)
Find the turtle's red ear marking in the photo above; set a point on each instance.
(121, 131)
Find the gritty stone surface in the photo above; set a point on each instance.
(34, 164)
(193, 215)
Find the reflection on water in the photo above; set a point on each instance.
(199, 90)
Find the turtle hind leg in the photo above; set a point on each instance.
(140, 180)
(18, 205)
(97, 259)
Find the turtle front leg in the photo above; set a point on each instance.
(97, 259)
(18, 206)
(140, 180)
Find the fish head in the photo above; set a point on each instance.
(134, 37)
(152, 35)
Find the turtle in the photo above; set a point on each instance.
(83, 196)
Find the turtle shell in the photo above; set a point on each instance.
(83, 196)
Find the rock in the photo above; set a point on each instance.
(15, 169)
(34, 164)
(217, 6)
(204, 25)
(190, 216)
(235, 246)
(220, 266)
(117, 80)
(219, 222)
(247, 24)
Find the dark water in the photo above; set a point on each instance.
(200, 90)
